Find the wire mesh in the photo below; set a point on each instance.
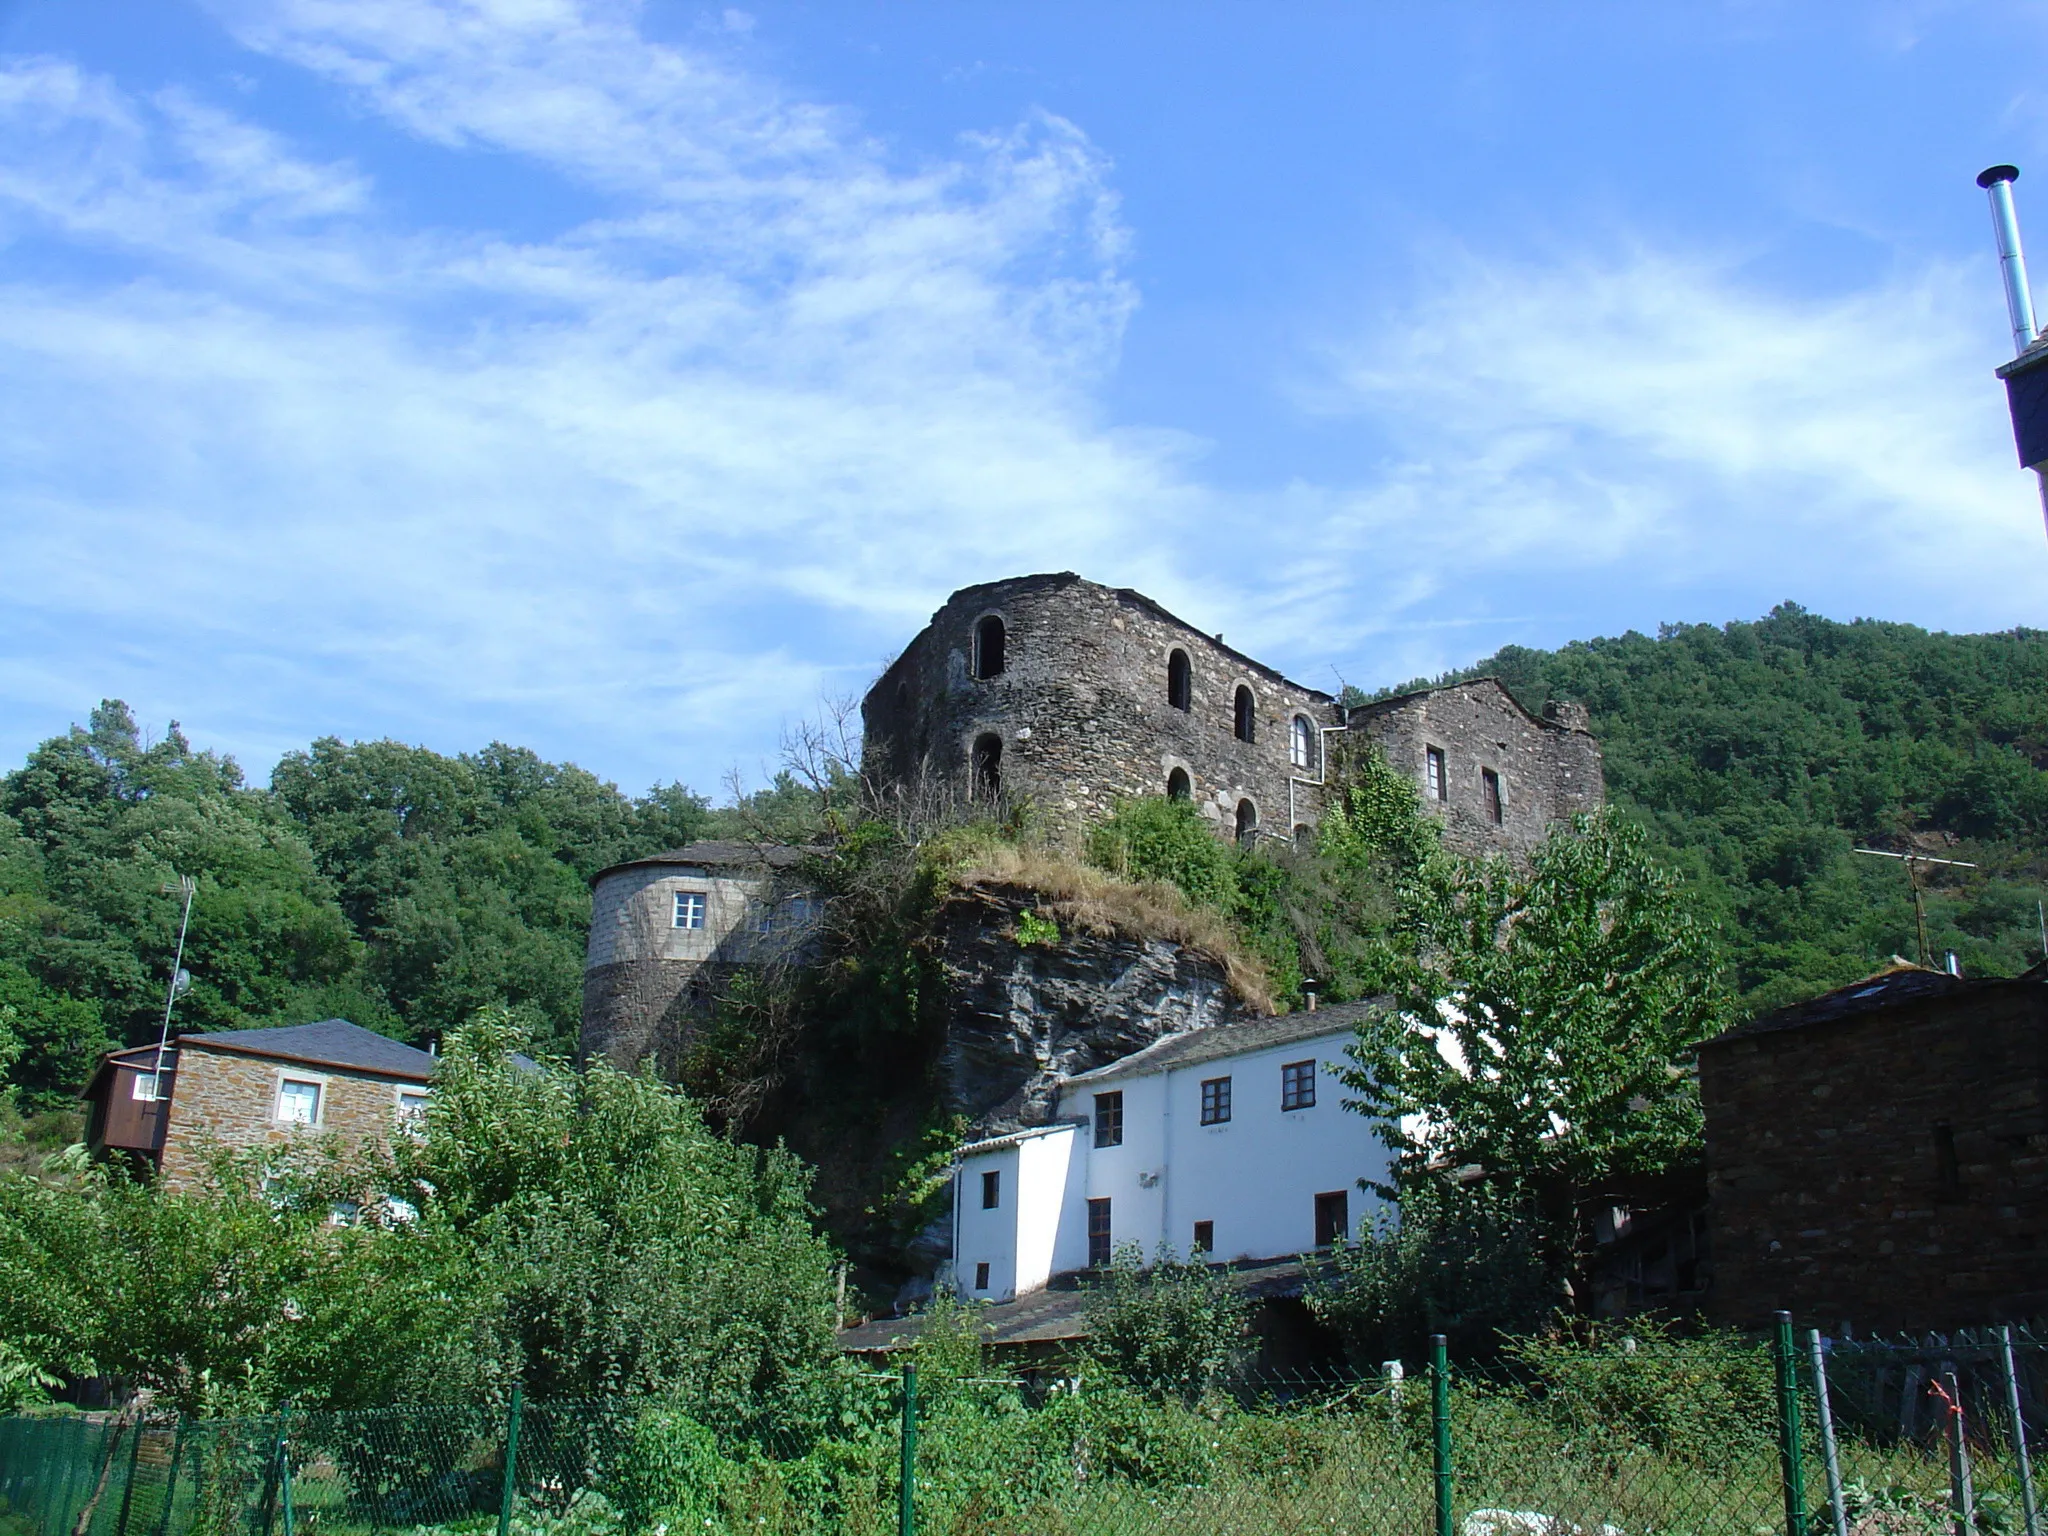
(1651, 1437)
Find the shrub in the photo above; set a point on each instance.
(1166, 840)
(1172, 1327)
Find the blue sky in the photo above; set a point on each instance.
(624, 380)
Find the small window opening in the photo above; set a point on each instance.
(1489, 788)
(988, 766)
(1100, 1250)
(1109, 1119)
(1247, 722)
(981, 1277)
(1435, 785)
(298, 1103)
(689, 911)
(1298, 1085)
(1215, 1101)
(1333, 1218)
(1247, 821)
(1301, 744)
(992, 1189)
(1179, 786)
(989, 640)
(1180, 681)
(1304, 835)
(1205, 1237)
(1948, 1173)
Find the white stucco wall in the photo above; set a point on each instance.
(1255, 1176)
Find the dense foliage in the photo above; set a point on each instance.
(581, 1233)
(1758, 754)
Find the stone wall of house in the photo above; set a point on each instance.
(1833, 1192)
(226, 1098)
(1547, 768)
(1082, 712)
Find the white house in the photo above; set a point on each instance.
(1232, 1141)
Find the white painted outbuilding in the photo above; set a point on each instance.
(1232, 1141)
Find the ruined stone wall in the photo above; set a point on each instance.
(1547, 769)
(225, 1098)
(1829, 1191)
(1082, 711)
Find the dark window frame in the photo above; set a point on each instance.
(1101, 1242)
(1109, 1118)
(1244, 715)
(1297, 1085)
(1333, 1218)
(991, 661)
(1205, 1237)
(1180, 681)
(981, 1276)
(1216, 1101)
(1436, 775)
(1490, 796)
(992, 1189)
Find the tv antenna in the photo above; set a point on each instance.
(1913, 861)
(181, 979)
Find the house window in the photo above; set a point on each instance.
(1205, 1237)
(689, 909)
(1948, 1173)
(145, 1087)
(989, 640)
(412, 1105)
(1434, 783)
(1099, 1247)
(1109, 1119)
(1179, 786)
(298, 1103)
(1247, 821)
(981, 1277)
(1333, 1218)
(1301, 743)
(1246, 724)
(1298, 1085)
(1180, 681)
(1489, 789)
(988, 765)
(991, 1189)
(1215, 1100)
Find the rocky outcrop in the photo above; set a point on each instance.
(1023, 1015)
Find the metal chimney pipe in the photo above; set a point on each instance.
(2012, 262)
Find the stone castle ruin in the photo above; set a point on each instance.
(1075, 696)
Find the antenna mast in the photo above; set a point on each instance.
(1913, 878)
(187, 885)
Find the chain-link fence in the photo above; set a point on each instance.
(1650, 1437)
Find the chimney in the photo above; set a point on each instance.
(2026, 376)
(2012, 262)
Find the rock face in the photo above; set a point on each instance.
(1023, 1015)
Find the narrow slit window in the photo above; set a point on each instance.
(1948, 1173)
(1435, 786)
(992, 1189)
(981, 1277)
(1180, 681)
(1489, 788)
(1100, 1249)
(1246, 722)
(990, 643)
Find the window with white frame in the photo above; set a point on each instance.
(1435, 785)
(1301, 743)
(145, 1087)
(298, 1102)
(412, 1105)
(689, 909)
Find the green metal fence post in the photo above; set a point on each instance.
(906, 1477)
(284, 1467)
(1440, 1415)
(1789, 1456)
(511, 1488)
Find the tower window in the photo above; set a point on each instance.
(1179, 786)
(1247, 821)
(1489, 789)
(1247, 715)
(988, 765)
(992, 1189)
(1435, 786)
(1301, 743)
(989, 640)
(1180, 682)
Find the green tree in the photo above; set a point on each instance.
(1171, 1326)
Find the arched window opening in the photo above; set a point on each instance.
(1304, 835)
(988, 766)
(1247, 715)
(988, 647)
(1247, 821)
(1179, 786)
(1180, 681)
(1301, 744)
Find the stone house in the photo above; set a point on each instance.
(663, 928)
(1879, 1155)
(252, 1088)
(1231, 1141)
(1075, 696)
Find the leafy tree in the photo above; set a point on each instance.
(1171, 1326)
(48, 1041)
(1537, 1032)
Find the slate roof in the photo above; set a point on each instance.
(329, 1043)
(715, 855)
(1059, 1313)
(1898, 984)
(1197, 1046)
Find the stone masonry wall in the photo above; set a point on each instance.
(1548, 768)
(1082, 711)
(1828, 1195)
(226, 1098)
